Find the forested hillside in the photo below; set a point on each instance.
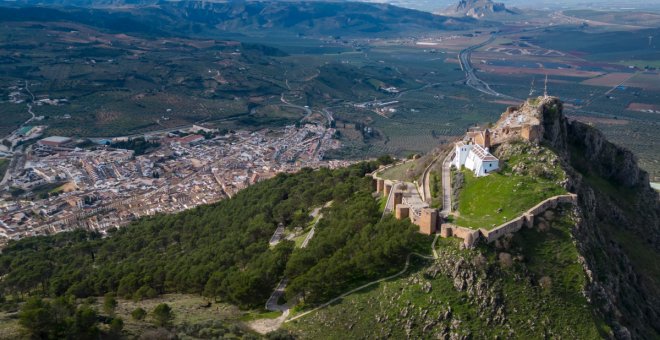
(222, 250)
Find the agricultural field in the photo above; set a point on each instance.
(4, 165)
(11, 117)
(111, 84)
(594, 79)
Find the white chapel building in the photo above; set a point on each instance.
(472, 153)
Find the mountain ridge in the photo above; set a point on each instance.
(300, 17)
(478, 9)
(619, 211)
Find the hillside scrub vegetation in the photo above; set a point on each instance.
(221, 250)
(536, 292)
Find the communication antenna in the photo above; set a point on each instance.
(545, 91)
(531, 88)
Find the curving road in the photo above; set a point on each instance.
(471, 78)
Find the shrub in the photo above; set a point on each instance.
(138, 313)
(163, 315)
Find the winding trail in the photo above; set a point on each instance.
(403, 271)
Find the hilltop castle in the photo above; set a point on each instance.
(406, 200)
(522, 122)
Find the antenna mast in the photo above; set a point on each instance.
(545, 91)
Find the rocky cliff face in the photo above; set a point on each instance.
(619, 231)
(478, 9)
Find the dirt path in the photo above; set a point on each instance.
(265, 326)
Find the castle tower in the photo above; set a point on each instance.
(380, 185)
(487, 139)
(446, 231)
(398, 199)
(428, 222)
(388, 188)
(401, 211)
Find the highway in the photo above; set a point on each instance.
(471, 78)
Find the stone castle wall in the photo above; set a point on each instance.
(428, 221)
(527, 218)
(470, 236)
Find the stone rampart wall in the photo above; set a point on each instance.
(470, 236)
(527, 218)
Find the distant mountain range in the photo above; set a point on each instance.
(478, 9)
(304, 18)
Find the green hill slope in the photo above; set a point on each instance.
(583, 271)
(526, 287)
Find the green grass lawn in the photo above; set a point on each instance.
(398, 172)
(482, 197)
(551, 255)
(298, 240)
(487, 202)
(436, 189)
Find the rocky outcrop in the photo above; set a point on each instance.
(466, 277)
(619, 230)
(478, 9)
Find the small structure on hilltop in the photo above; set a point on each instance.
(472, 152)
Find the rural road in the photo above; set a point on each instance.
(311, 232)
(17, 162)
(308, 111)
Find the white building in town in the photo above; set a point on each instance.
(475, 156)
